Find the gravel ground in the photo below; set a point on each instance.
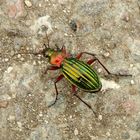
(108, 28)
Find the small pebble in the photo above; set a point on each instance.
(28, 3)
(90, 127)
(76, 132)
(14, 95)
(99, 70)
(132, 82)
(19, 124)
(15, 8)
(22, 59)
(29, 94)
(40, 5)
(46, 122)
(108, 134)
(106, 54)
(34, 62)
(100, 117)
(31, 121)
(6, 59)
(126, 18)
(33, 110)
(66, 34)
(39, 62)
(3, 104)
(64, 11)
(131, 65)
(40, 115)
(11, 118)
(19, 55)
(9, 69)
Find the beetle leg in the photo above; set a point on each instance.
(60, 77)
(96, 59)
(86, 104)
(90, 61)
(63, 49)
(79, 55)
(48, 42)
(51, 68)
(57, 48)
(108, 72)
(73, 89)
(75, 94)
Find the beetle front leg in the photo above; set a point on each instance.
(56, 96)
(75, 94)
(51, 68)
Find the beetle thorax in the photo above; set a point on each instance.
(57, 58)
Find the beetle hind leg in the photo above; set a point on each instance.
(96, 59)
(75, 94)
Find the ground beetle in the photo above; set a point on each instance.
(78, 73)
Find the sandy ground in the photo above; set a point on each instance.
(108, 28)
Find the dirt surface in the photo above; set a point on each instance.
(108, 28)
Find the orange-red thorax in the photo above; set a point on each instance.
(57, 57)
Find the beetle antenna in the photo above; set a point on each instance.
(57, 48)
(27, 53)
(45, 46)
(48, 42)
(63, 47)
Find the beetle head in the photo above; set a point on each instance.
(56, 56)
(47, 52)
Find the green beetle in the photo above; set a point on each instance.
(78, 73)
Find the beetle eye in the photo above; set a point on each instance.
(46, 54)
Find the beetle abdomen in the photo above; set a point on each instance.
(81, 75)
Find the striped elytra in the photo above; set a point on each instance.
(81, 75)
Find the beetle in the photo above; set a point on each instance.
(78, 73)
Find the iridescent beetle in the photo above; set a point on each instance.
(78, 73)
